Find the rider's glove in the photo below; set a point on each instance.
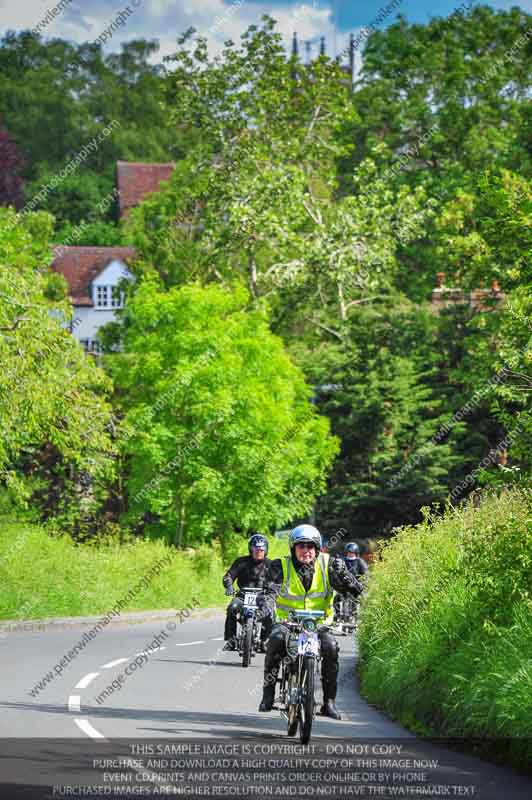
(229, 590)
(337, 564)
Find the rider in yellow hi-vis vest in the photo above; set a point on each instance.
(293, 595)
(304, 580)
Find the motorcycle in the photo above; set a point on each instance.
(299, 672)
(248, 634)
(345, 617)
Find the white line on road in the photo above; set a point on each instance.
(87, 728)
(113, 663)
(84, 682)
(74, 703)
(218, 639)
(184, 644)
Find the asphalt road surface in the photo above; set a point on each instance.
(168, 681)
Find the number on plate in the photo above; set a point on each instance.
(308, 645)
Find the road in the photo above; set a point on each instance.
(181, 686)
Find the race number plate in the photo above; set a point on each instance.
(308, 645)
(250, 599)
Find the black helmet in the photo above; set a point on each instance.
(351, 548)
(258, 540)
(304, 533)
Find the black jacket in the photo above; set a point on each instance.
(357, 566)
(247, 572)
(340, 578)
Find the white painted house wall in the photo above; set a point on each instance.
(87, 320)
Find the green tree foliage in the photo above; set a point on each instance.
(57, 96)
(486, 236)
(54, 412)
(469, 74)
(450, 100)
(339, 219)
(385, 407)
(218, 431)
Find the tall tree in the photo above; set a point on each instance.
(218, 430)
(54, 413)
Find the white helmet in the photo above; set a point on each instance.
(305, 533)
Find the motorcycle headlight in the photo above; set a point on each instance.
(309, 625)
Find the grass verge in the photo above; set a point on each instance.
(446, 630)
(47, 576)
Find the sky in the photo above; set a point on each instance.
(117, 21)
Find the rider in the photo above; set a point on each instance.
(304, 580)
(356, 566)
(246, 571)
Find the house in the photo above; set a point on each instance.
(478, 300)
(135, 181)
(93, 273)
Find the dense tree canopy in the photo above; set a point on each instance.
(323, 212)
(218, 432)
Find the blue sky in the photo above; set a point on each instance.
(86, 20)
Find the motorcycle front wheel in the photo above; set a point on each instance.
(292, 709)
(247, 642)
(306, 717)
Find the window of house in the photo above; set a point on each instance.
(109, 297)
(103, 296)
(91, 346)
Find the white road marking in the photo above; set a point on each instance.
(74, 703)
(113, 663)
(218, 639)
(87, 728)
(84, 682)
(185, 644)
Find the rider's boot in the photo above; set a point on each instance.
(268, 694)
(330, 684)
(329, 709)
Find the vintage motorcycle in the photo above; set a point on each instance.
(345, 616)
(249, 625)
(299, 672)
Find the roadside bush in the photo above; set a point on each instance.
(446, 629)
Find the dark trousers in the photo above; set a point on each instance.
(338, 599)
(278, 649)
(233, 610)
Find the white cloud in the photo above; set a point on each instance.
(167, 19)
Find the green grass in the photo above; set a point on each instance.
(44, 576)
(446, 629)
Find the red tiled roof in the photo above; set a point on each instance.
(136, 180)
(80, 265)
